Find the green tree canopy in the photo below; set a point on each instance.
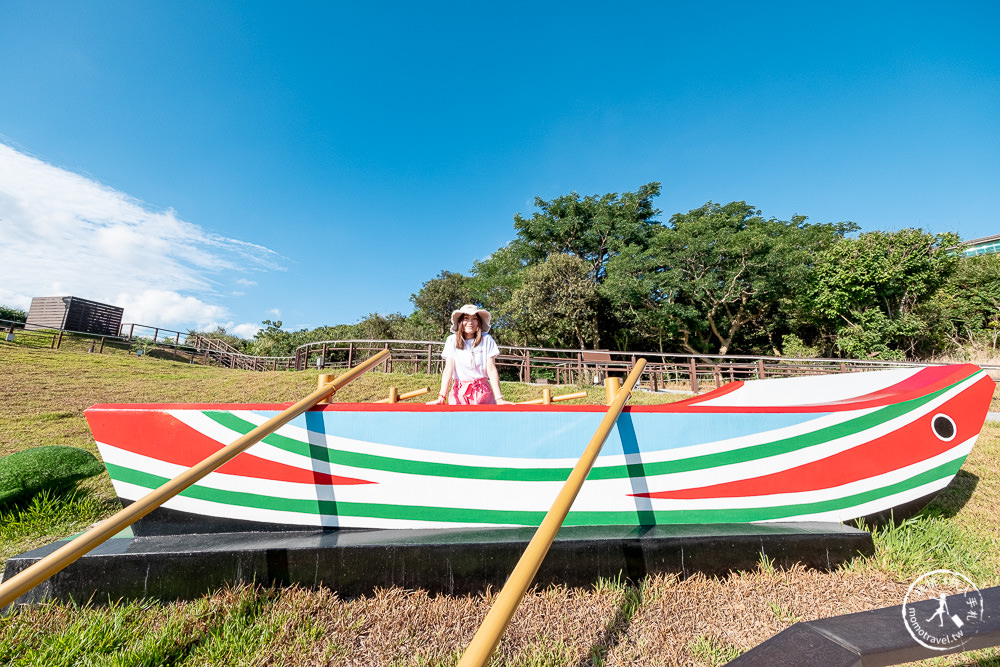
(556, 305)
(971, 302)
(872, 296)
(593, 228)
(716, 274)
(13, 314)
(440, 297)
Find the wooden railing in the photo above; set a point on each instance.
(685, 372)
(142, 338)
(224, 354)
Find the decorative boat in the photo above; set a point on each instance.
(821, 448)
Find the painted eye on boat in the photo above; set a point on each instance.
(943, 427)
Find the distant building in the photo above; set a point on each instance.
(74, 314)
(983, 246)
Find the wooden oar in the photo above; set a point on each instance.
(488, 636)
(396, 397)
(35, 574)
(553, 399)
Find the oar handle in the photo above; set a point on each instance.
(498, 618)
(555, 399)
(409, 394)
(35, 574)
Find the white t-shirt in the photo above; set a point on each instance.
(470, 363)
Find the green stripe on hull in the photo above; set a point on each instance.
(701, 462)
(333, 508)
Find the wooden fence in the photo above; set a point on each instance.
(136, 338)
(681, 372)
(684, 372)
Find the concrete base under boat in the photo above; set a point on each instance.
(456, 560)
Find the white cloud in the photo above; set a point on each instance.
(62, 234)
(243, 330)
(163, 306)
(246, 283)
(275, 311)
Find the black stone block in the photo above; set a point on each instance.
(440, 561)
(872, 638)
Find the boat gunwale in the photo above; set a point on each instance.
(885, 396)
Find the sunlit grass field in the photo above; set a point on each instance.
(661, 620)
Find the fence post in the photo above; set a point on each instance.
(717, 375)
(350, 354)
(760, 369)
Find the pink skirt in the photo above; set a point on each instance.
(474, 392)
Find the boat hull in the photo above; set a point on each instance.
(831, 448)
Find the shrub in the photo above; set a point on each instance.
(25, 473)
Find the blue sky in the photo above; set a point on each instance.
(210, 164)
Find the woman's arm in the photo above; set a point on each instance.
(449, 371)
(494, 376)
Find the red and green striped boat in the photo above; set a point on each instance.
(823, 448)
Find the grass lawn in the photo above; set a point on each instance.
(663, 620)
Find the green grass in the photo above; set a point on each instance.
(713, 650)
(42, 401)
(232, 628)
(928, 542)
(47, 468)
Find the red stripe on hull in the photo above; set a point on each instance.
(908, 445)
(161, 436)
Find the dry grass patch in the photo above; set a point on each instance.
(557, 625)
(702, 620)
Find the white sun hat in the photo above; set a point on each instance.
(469, 309)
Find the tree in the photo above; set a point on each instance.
(440, 297)
(873, 296)
(594, 228)
(718, 274)
(556, 306)
(970, 301)
(273, 341)
(13, 314)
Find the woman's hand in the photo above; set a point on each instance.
(437, 401)
(504, 401)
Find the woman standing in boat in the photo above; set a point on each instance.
(470, 360)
